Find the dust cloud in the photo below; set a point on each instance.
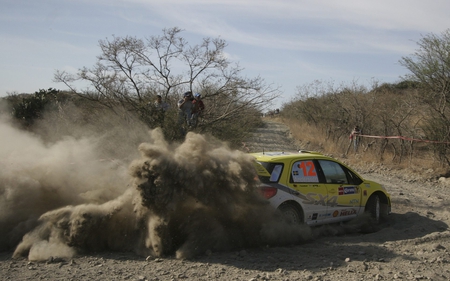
(61, 199)
(36, 177)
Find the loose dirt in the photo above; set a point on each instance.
(413, 244)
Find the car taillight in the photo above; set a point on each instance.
(268, 191)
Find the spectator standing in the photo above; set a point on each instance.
(354, 137)
(197, 109)
(185, 106)
(160, 110)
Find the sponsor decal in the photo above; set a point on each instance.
(347, 212)
(325, 215)
(335, 213)
(319, 199)
(314, 216)
(354, 201)
(365, 193)
(347, 190)
(305, 185)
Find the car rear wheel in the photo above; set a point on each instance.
(291, 213)
(373, 207)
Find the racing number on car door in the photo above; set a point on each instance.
(314, 198)
(308, 169)
(304, 171)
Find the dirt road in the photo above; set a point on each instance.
(413, 244)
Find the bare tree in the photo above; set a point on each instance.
(430, 67)
(131, 71)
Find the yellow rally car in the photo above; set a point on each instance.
(309, 187)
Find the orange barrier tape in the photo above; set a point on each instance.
(403, 138)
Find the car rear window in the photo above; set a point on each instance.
(274, 169)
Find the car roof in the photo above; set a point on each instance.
(274, 156)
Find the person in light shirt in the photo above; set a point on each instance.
(185, 106)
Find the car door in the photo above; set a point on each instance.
(313, 196)
(343, 191)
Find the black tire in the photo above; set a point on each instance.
(373, 207)
(291, 213)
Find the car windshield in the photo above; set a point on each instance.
(274, 169)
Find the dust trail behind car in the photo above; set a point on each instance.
(184, 199)
(36, 177)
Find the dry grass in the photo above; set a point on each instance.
(420, 165)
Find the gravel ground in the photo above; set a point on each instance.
(413, 244)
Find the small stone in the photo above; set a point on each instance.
(347, 259)
(279, 271)
(365, 266)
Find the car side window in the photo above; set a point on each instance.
(333, 172)
(354, 179)
(276, 172)
(274, 169)
(304, 171)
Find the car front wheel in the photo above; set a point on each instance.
(373, 207)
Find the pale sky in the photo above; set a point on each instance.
(288, 43)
